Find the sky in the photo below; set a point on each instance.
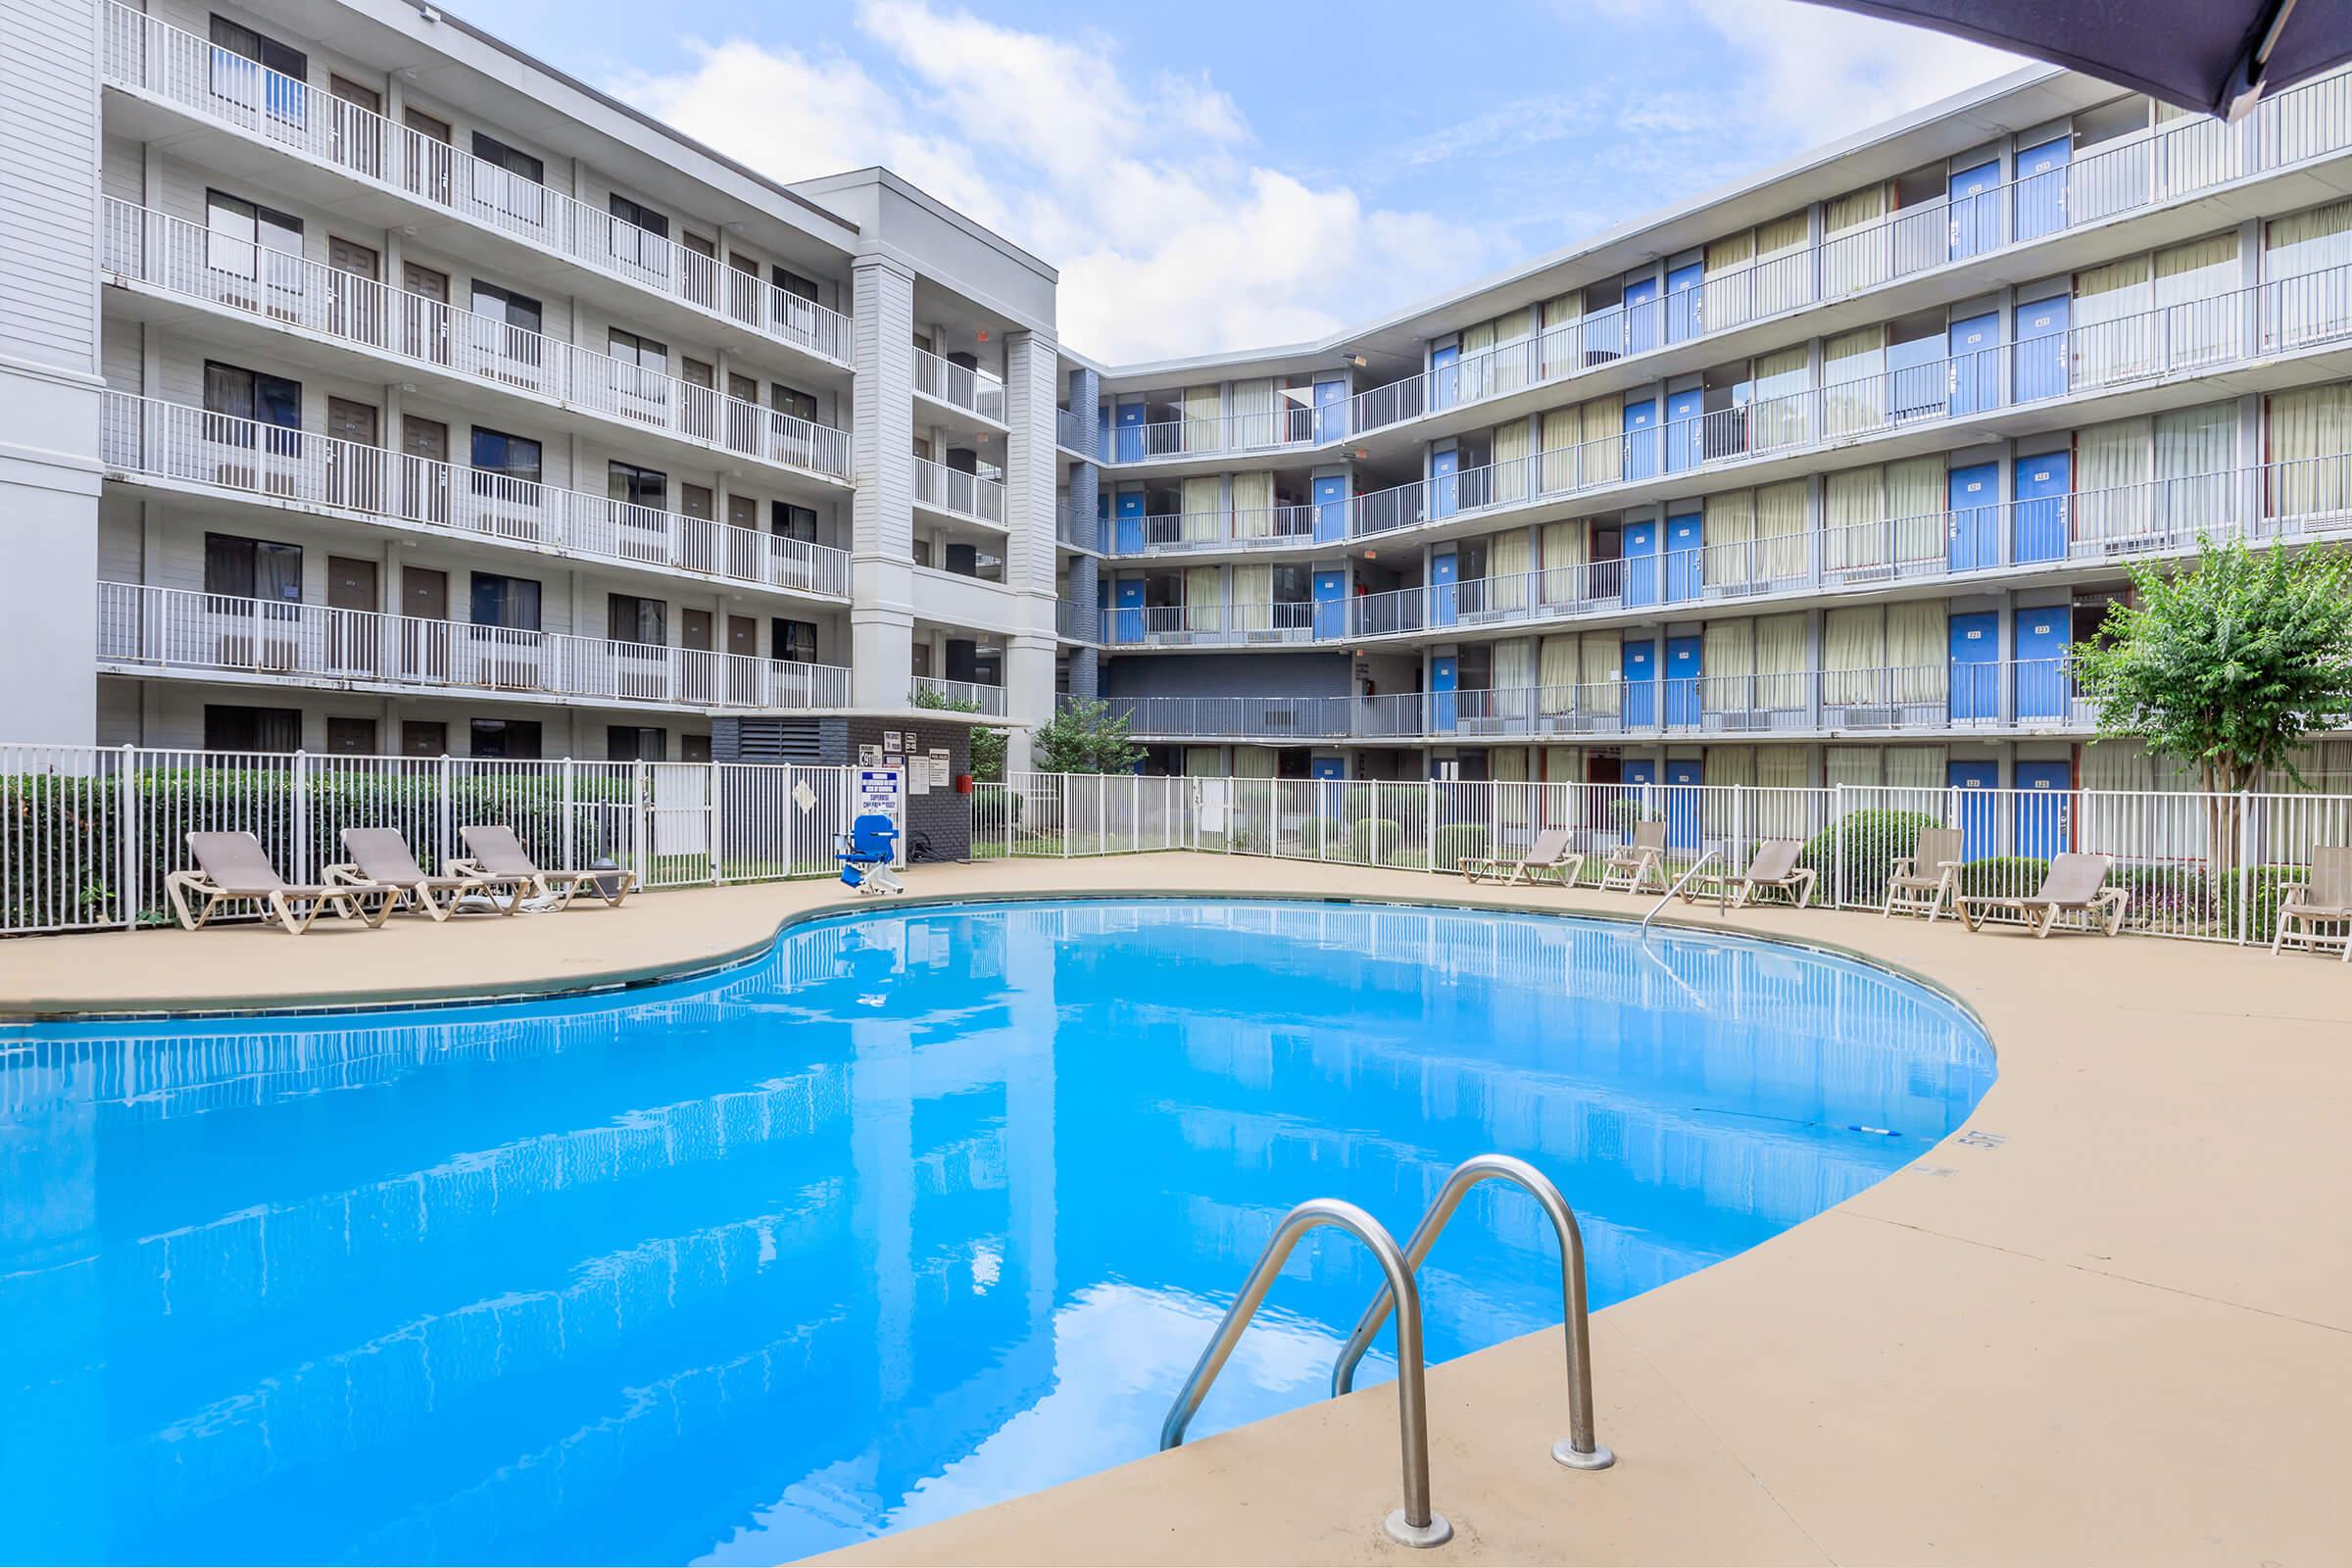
(1211, 176)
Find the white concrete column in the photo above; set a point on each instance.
(882, 512)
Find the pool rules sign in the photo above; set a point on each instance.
(879, 792)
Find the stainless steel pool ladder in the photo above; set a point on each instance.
(1723, 897)
(1415, 1524)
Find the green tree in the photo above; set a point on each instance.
(1085, 738)
(988, 745)
(2226, 665)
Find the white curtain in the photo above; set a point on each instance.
(1855, 505)
(1252, 598)
(1780, 661)
(1512, 443)
(1204, 599)
(2310, 242)
(1563, 352)
(2196, 454)
(1727, 670)
(1783, 411)
(1780, 529)
(2188, 275)
(1730, 286)
(1564, 559)
(1254, 761)
(1557, 673)
(1202, 499)
(1255, 420)
(2112, 466)
(2310, 432)
(1916, 497)
(1203, 418)
(1562, 429)
(1252, 506)
(1854, 378)
(1602, 451)
(1919, 646)
(1509, 572)
(1853, 254)
(1513, 357)
(1782, 282)
(1599, 668)
(1853, 648)
(1515, 664)
(1916, 767)
(1730, 538)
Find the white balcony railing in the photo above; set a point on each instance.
(1212, 625)
(1173, 533)
(964, 695)
(1073, 622)
(977, 391)
(1075, 529)
(175, 444)
(1069, 433)
(171, 631)
(146, 55)
(181, 259)
(965, 495)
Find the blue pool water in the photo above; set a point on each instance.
(926, 1208)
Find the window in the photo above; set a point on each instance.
(792, 282)
(520, 314)
(353, 736)
(636, 743)
(424, 737)
(237, 567)
(638, 216)
(791, 400)
(507, 456)
(794, 641)
(645, 353)
(509, 601)
(228, 728)
(694, 748)
(789, 521)
(632, 486)
(237, 231)
(515, 739)
(508, 179)
(257, 72)
(237, 393)
(630, 618)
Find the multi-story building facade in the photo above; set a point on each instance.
(374, 387)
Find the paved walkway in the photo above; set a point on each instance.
(2116, 1327)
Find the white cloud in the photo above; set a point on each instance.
(1170, 238)
(1820, 73)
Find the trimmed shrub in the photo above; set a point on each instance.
(1375, 839)
(1868, 842)
(1460, 841)
(1327, 836)
(2003, 876)
(2260, 890)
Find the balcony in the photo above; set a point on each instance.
(958, 387)
(182, 261)
(1072, 624)
(1228, 531)
(1210, 625)
(1069, 433)
(149, 631)
(1285, 428)
(155, 60)
(170, 444)
(956, 696)
(973, 497)
(2029, 696)
(1074, 531)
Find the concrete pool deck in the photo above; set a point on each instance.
(2109, 1321)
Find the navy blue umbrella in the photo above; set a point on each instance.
(2217, 56)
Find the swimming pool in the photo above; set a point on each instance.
(926, 1207)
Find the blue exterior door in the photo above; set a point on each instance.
(1330, 768)
(1683, 781)
(1129, 420)
(1330, 510)
(1972, 494)
(1444, 376)
(1632, 772)
(1642, 316)
(1104, 540)
(2041, 350)
(1976, 210)
(1686, 309)
(2041, 189)
(1640, 439)
(1685, 664)
(1640, 562)
(1975, 347)
(1442, 595)
(2040, 490)
(1331, 604)
(1686, 564)
(1131, 522)
(1331, 412)
(2044, 809)
(1444, 482)
(1683, 447)
(1974, 781)
(1129, 621)
(1975, 667)
(1640, 680)
(1443, 675)
(2042, 641)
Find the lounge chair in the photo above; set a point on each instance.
(2075, 885)
(1927, 877)
(1773, 868)
(2323, 898)
(498, 855)
(380, 855)
(1628, 866)
(1548, 858)
(233, 868)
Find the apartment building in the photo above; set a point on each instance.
(1812, 481)
(373, 388)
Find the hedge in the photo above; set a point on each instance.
(1458, 842)
(1868, 842)
(1375, 838)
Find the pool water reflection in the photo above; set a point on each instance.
(926, 1208)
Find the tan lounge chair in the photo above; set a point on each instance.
(233, 868)
(497, 854)
(1928, 876)
(1773, 868)
(2075, 885)
(2323, 898)
(1547, 859)
(1629, 865)
(380, 855)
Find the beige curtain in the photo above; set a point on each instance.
(1254, 421)
(1781, 530)
(2196, 454)
(2112, 466)
(1202, 499)
(1853, 648)
(1782, 280)
(2310, 432)
(1252, 598)
(1854, 766)
(1252, 506)
(1204, 599)
(2106, 294)
(1564, 559)
(1730, 534)
(2310, 242)
(1599, 669)
(1515, 664)
(1203, 418)
(1557, 673)
(1776, 813)
(1562, 429)
(1562, 350)
(1919, 647)
(1509, 574)
(1514, 351)
(1204, 761)
(1733, 765)
(1854, 378)
(2186, 276)
(1729, 281)
(1782, 767)
(1254, 761)
(1865, 206)
(1916, 767)
(1727, 670)
(1916, 498)
(1781, 411)
(1601, 453)
(1513, 442)
(1510, 766)
(1563, 764)
(1855, 253)
(1855, 505)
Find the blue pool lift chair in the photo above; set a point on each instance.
(866, 852)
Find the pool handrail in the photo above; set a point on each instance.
(1414, 1524)
(1579, 1450)
(1721, 896)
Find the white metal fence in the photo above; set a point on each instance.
(2210, 867)
(87, 834)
